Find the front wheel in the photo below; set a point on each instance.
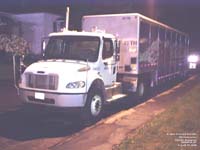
(93, 108)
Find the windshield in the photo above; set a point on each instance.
(73, 47)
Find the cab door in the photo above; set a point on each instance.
(108, 69)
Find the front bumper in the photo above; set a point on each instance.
(53, 99)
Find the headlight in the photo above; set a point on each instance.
(193, 58)
(78, 84)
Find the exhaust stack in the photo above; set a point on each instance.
(67, 20)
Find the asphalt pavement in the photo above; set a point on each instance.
(20, 130)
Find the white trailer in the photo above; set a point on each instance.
(150, 52)
(86, 70)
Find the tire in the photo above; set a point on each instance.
(93, 109)
(141, 89)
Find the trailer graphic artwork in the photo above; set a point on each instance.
(103, 63)
(149, 49)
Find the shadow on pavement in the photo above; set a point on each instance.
(20, 126)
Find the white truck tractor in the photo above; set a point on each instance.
(113, 56)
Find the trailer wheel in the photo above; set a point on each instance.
(94, 106)
(141, 89)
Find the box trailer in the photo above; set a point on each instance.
(150, 51)
(113, 56)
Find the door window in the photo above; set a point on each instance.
(107, 49)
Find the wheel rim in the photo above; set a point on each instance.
(141, 89)
(96, 105)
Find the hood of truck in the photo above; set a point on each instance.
(66, 71)
(55, 67)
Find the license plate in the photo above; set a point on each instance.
(40, 96)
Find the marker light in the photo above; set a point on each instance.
(87, 68)
(193, 58)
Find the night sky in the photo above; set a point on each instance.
(181, 14)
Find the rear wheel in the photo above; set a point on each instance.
(141, 89)
(144, 89)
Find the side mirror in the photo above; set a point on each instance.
(117, 55)
(117, 46)
(43, 45)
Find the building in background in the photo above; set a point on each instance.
(8, 24)
(30, 27)
(35, 26)
(9, 27)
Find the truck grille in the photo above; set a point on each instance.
(41, 81)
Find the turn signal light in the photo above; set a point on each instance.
(87, 68)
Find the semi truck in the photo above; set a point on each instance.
(114, 55)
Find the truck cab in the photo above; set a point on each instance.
(78, 70)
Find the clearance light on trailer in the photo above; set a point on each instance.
(193, 58)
